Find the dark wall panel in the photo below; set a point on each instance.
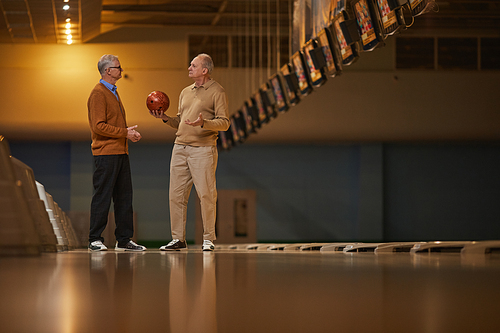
(442, 191)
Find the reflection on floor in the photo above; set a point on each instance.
(253, 288)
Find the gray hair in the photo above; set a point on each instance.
(105, 62)
(206, 62)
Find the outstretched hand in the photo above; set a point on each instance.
(132, 134)
(197, 122)
(158, 114)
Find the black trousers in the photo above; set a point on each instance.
(112, 180)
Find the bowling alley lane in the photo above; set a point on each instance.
(249, 291)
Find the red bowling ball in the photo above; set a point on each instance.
(158, 100)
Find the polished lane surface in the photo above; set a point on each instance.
(249, 291)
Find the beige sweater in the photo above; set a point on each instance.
(107, 122)
(210, 100)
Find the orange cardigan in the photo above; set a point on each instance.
(107, 122)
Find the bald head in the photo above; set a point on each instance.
(206, 62)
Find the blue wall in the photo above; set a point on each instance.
(442, 192)
(356, 192)
(304, 192)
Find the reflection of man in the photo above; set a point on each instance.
(194, 156)
(192, 312)
(111, 288)
(112, 178)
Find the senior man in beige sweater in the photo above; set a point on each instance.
(202, 113)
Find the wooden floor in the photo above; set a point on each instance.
(249, 291)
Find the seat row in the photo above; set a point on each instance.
(31, 222)
(463, 247)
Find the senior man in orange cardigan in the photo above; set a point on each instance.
(112, 178)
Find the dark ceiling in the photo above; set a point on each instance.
(41, 21)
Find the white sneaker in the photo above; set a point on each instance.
(208, 245)
(97, 246)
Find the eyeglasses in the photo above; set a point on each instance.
(119, 67)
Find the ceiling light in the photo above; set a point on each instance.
(68, 25)
(69, 42)
(66, 7)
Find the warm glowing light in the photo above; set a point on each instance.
(68, 27)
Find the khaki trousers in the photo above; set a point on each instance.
(193, 165)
